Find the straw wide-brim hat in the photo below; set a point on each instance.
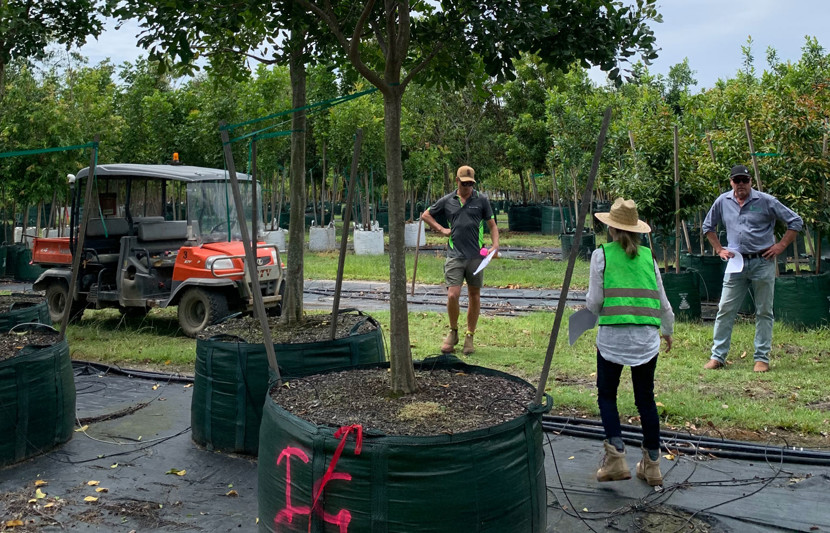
(623, 215)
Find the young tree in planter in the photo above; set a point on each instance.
(436, 42)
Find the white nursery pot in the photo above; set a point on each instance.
(412, 233)
(368, 242)
(321, 239)
(277, 237)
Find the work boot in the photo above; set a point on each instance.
(761, 366)
(468, 344)
(713, 364)
(450, 341)
(614, 466)
(649, 470)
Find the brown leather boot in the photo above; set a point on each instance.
(614, 467)
(450, 341)
(649, 470)
(468, 343)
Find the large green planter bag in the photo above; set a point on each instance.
(3, 253)
(25, 312)
(586, 248)
(682, 293)
(552, 223)
(231, 380)
(24, 270)
(486, 480)
(526, 218)
(802, 301)
(37, 401)
(12, 251)
(710, 270)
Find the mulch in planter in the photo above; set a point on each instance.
(12, 343)
(447, 401)
(18, 301)
(313, 328)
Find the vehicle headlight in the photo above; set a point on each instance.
(273, 256)
(219, 263)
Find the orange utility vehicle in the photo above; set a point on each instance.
(158, 236)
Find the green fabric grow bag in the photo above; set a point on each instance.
(709, 269)
(526, 218)
(25, 312)
(3, 253)
(24, 270)
(802, 301)
(490, 479)
(682, 293)
(37, 401)
(552, 220)
(12, 251)
(231, 380)
(586, 248)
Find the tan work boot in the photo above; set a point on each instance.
(713, 364)
(614, 467)
(649, 470)
(468, 343)
(450, 341)
(761, 366)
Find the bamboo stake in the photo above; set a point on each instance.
(566, 282)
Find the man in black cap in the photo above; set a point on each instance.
(466, 211)
(749, 217)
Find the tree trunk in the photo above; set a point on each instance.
(447, 180)
(292, 309)
(400, 357)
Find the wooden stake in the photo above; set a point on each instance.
(344, 237)
(754, 157)
(566, 282)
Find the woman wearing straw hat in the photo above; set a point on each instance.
(626, 291)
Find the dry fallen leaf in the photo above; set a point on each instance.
(176, 471)
(114, 465)
(39, 494)
(156, 386)
(93, 483)
(188, 385)
(90, 499)
(570, 458)
(48, 505)
(584, 509)
(232, 493)
(14, 523)
(40, 483)
(660, 404)
(82, 428)
(743, 355)
(725, 406)
(669, 457)
(102, 489)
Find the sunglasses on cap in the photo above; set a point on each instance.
(741, 179)
(467, 183)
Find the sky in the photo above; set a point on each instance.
(709, 33)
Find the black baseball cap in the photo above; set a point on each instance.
(739, 170)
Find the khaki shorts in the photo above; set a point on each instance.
(458, 269)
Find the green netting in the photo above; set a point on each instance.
(683, 295)
(37, 401)
(802, 301)
(24, 313)
(488, 480)
(555, 221)
(232, 379)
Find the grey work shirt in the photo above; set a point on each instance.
(465, 220)
(749, 227)
(626, 344)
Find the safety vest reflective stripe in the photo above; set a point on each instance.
(629, 310)
(631, 293)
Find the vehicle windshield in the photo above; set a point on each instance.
(210, 205)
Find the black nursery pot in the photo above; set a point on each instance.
(490, 479)
(231, 381)
(37, 401)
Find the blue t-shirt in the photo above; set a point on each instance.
(465, 220)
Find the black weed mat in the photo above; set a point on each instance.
(135, 468)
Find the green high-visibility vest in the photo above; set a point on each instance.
(631, 295)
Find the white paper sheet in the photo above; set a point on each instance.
(735, 263)
(485, 261)
(579, 323)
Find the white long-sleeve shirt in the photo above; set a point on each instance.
(630, 345)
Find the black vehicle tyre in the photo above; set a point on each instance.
(277, 309)
(57, 296)
(200, 308)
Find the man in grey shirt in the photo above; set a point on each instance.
(749, 217)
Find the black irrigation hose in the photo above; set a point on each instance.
(143, 374)
(742, 451)
(684, 436)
